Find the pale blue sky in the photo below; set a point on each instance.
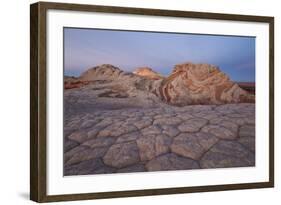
(86, 48)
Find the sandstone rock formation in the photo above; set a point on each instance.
(102, 72)
(116, 88)
(187, 85)
(148, 73)
(73, 82)
(118, 122)
(144, 81)
(201, 84)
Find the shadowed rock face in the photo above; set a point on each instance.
(201, 84)
(187, 85)
(148, 73)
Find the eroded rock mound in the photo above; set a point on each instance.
(102, 72)
(148, 73)
(201, 84)
(114, 88)
(187, 85)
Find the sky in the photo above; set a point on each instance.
(128, 50)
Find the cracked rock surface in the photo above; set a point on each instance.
(140, 139)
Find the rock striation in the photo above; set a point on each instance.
(73, 82)
(188, 84)
(201, 84)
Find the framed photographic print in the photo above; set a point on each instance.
(134, 102)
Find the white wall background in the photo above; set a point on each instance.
(14, 109)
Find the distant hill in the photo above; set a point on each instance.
(148, 73)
